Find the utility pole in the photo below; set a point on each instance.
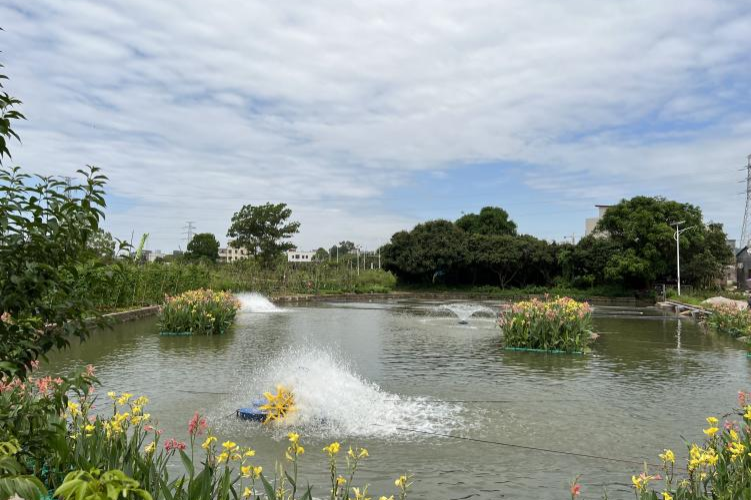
(677, 236)
(189, 230)
(357, 249)
(379, 257)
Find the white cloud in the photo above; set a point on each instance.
(193, 109)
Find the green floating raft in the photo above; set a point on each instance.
(175, 334)
(546, 351)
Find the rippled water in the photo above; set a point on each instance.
(372, 373)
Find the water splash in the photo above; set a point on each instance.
(257, 303)
(463, 311)
(332, 400)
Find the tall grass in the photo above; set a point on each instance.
(148, 284)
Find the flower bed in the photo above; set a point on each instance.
(198, 312)
(731, 320)
(562, 325)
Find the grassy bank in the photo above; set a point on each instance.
(125, 285)
(696, 297)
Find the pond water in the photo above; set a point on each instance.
(386, 375)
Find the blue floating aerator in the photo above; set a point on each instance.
(253, 412)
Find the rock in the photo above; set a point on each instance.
(724, 301)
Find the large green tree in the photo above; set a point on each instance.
(263, 230)
(434, 248)
(490, 221)
(203, 246)
(642, 228)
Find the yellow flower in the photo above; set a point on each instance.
(387, 498)
(141, 401)
(712, 421)
(124, 397)
(668, 456)
(229, 445)
(711, 431)
(223, 457)
(150, 448)
(293, 437)
(747, 415)
(74, 408)
(401, 482)
(666, 496)
(246, 470)
(257, 471)
(247, 493)
(332, 449)
(249, 453)
(112, 395)
(736, 450)
(340, 480)
(733, 435)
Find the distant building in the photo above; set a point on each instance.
(590, 224)
(153, 256)
(232, 254)
(296, 256)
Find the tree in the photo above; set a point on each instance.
(490, 221)
(343, 248)
(46, 226)
(321, 255)
(263, 229)
(641, 228)
(102, 245)
(433, 248)
(500, 254)
(584, 264)
(203, 246)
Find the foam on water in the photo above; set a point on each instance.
(464, 311)
(331, 399)
(257, 303)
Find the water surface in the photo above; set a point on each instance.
(395, 377)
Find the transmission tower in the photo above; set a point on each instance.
(189, 230)
(746, 229)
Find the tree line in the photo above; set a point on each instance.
(633, 246)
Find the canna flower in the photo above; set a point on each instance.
(401, 482)
(712, 421)
(247, 493)
(112, 395)
(293, 437)
(387, 498)
(150, 448)
(222, 457)
(246, 470)
(229, 445)
(666, 496)
(257, 471)
(340, 481)
(74, 408)
(124, 397)
(197, 425)
(174, 444)
(89, 429)
(249, 453)
(575, 490)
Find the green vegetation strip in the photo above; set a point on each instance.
(175, 334)
(548, 351)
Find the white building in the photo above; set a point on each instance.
(295, 256)
(232, 254)
(591, 223)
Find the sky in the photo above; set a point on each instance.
(368, 117)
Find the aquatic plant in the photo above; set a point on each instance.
(562, 324)
(730, 319)
(199, 312)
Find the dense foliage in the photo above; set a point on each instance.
(200, 312)
(203, 246)
(640, 229)
(47, 227)
(562, 324)
(633, 248)
(263, 229)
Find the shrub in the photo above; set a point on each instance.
(199, 312)
(729, 319)
(562, 324)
